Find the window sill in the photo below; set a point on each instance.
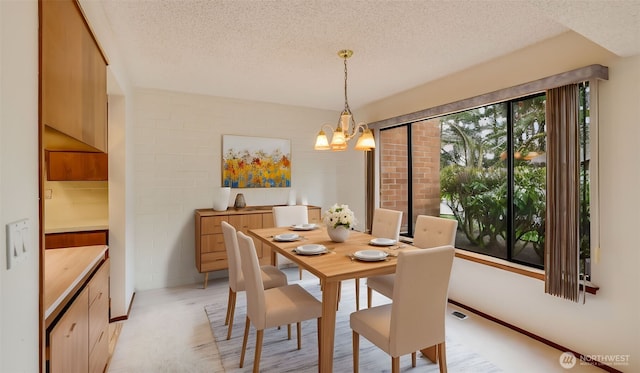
(512, 267)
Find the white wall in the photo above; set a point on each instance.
(177, 143)
(609, 322)
(19, 325)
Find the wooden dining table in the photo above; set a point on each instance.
(337, 265)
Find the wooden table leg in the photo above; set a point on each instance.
(430, 353)
(327, 336)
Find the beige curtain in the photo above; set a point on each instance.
(562, 231)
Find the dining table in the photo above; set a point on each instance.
(338, 263)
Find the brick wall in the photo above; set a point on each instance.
(394, 181)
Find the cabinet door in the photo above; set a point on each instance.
(73, 76)
(244, 222)
(99, 319)
(69, 339)
(314, 215)
(80, 166)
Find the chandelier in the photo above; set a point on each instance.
(347, 128)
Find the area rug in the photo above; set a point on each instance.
(281, 355)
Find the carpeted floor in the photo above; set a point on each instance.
(280, 355)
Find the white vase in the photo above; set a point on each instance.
(221, 198)
(339, 234)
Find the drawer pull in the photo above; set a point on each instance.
(73, 326)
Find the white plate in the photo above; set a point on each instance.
(286, 237)
(304, 227)
(311, 249)
(382, 242)
(370, 255)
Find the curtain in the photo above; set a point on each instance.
(370, 171)
(562, 231)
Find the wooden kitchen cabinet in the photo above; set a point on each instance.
(99, 320)
(76, 166)
(73, 75)
(78, 339)
(210, 251)
(69, 339)
(75, 239)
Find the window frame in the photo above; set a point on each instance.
(588, 73)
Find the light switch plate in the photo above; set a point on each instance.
(18, 242)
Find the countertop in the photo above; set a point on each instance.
(79, 228)
(65, 272)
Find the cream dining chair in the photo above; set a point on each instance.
(271, 276)
(386, 224)
(430, 231)
(285, 216)
(415, 319)
(268, 308)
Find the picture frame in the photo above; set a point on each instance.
(256, 162)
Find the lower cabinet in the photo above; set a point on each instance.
(69, 339)
(79, 342)
(99, 320)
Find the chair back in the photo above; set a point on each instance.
(386, 223)
(420, 299)
(433, 231)
(256, 306)
(289, 215)
(236, 280)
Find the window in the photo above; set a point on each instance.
(484, 167)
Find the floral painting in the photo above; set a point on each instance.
(256, 162)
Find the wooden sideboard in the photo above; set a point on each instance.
(211, 254)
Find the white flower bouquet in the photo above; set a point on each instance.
(339, 215)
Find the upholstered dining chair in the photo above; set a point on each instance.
(386, 224)
(430, 231)
(415, 319)
(272, 307)
(284, 216)
(271, 276)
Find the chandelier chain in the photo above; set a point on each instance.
(346, 102)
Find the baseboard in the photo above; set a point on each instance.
(124, 317)
(582, 357)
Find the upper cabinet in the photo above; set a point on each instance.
(79, 166)
(73, 79)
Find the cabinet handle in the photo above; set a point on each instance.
(73, 326)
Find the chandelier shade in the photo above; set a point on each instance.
(346, 129)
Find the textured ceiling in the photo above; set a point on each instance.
(286, 51)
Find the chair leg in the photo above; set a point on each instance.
(244, 341)
(300, 272)
(442, 357)
(369, 296)
(299, 332)
(356, 351)
(357, 294)
(395, 364)
(231, 308)
(226, 320)
(288, 331)
(413, 359)
(256, 359)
